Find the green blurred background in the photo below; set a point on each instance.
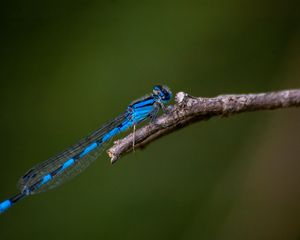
(69, 66)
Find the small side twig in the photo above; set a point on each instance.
(188, 110)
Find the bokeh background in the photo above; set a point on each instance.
(67, 67)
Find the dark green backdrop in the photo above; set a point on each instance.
(69, 66)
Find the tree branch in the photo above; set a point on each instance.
(188, 110)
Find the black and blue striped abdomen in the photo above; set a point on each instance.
(73, 160)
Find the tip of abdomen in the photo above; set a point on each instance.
(11, 201)
(5, 205)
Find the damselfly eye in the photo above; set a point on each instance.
(157, 90)
(162, 92)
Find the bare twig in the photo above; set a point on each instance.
(190, 109)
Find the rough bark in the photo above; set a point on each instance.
(189, 109)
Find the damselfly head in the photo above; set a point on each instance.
(162, 92)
